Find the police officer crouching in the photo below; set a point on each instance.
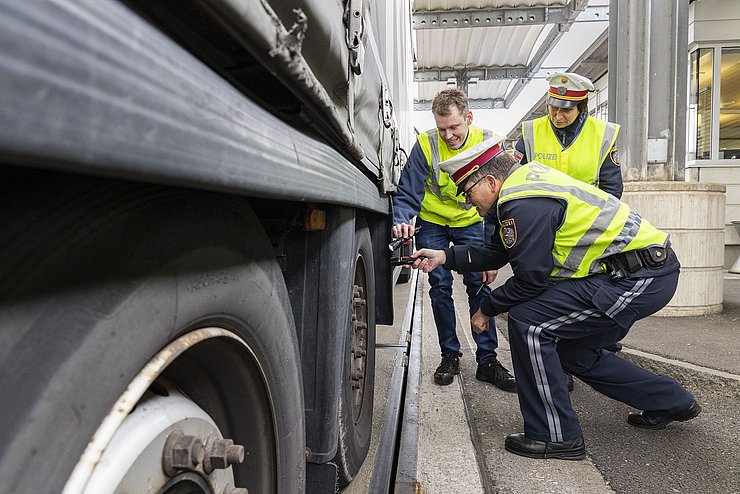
(586, 267)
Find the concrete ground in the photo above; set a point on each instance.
(462, 426)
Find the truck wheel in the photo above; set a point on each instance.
(103, 283)
(131, 460)
(358, 379)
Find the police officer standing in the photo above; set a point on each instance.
(428, 193)
(586, 267)
(571, 141)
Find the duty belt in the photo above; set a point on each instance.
(620, 266)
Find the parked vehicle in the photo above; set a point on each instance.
(195, 201)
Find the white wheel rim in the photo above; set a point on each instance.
(90, 460)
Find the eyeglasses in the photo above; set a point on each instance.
(466, 192)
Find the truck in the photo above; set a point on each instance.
(195, 228)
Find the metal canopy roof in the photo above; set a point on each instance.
(490, 48)
(593, 64)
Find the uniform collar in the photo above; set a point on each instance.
(492, 214)
(567, 134)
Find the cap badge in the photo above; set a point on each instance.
(563, 79)
(562, 90)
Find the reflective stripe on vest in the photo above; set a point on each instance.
(441, 204)
(593, 142)
(596, 224)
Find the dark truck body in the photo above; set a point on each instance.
(210, 180)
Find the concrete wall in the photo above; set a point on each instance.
(727, 173)
(693, 214)
(718, 22)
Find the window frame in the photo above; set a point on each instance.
(714, 114)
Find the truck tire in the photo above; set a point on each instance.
(358, 378)
(99, 276)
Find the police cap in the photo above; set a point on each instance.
(464, 164)
(567, 89)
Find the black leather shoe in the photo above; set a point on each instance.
(647, 420)
(493, 372)
(569, 381)
(447, 370)
(573, 449)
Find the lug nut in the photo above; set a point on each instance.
(181, 452)
(221, 453)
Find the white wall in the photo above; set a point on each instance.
(714, 21)
(718, 22)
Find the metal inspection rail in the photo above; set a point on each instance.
(408, 441)
(406, 364)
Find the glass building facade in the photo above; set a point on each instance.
(714, 103)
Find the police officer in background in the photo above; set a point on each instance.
(586, 267)
(443, 217)
(571, 141)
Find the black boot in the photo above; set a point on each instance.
(448, 368)
(493, 372)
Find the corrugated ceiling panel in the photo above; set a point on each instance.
(489, 89)
(482, 47)
(482, 90)
(483, 4)
(476, 47)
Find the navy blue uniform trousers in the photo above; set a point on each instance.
(567, 327)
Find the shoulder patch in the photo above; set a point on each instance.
(508, 232)
(518, 156)
(614, 155)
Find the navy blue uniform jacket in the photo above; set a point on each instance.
(537, 220)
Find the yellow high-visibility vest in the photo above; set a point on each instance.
(596, 224)
(441, 204)
(585, 155)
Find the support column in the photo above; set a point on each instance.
(629, 81)
(648, 93)
(648, 96)
(462, 82)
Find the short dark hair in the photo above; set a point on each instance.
(498, 166)
(449, 97)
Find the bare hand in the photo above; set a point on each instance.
(402, 230)
(428, 259)
(479, 322)
(489, 276)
